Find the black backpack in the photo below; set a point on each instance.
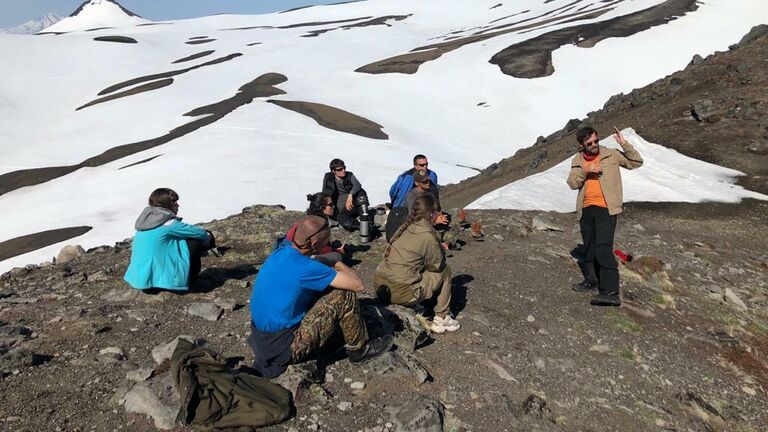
(395, 220)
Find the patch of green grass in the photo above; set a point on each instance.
(626, 354)
(663, 300)
(757, 328)
(725, 316)
(623, 322)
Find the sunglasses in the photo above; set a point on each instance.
(589, 144)
(339, 169)
(423, 164)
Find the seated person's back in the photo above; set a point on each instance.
(165, 252)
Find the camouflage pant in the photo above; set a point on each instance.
(336, 308)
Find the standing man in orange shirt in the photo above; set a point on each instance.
(595, 173)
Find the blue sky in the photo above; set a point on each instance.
(14, 12)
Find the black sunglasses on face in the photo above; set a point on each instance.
(339, 169)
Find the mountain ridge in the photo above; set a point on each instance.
(34, 25)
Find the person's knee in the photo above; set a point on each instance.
(604, 257)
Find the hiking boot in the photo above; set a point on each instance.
(372, 349)
(607, 299)
(445, 324)
(584, 286)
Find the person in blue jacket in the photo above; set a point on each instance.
(166, 251)
(404, 183)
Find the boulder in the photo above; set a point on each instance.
(69, 253)
(164, 351)
(421, 413)
(141, 400)
(206, 311)
(756, 32)
(299, 377)
(400, 363)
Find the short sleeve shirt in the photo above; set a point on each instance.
(286, 286)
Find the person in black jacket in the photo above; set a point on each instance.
(345, 189)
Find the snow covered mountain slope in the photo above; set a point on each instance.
(35, 25)
(96, 14)
(233, 110)
(666, 176)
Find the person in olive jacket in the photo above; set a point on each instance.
(414, 268)
(595, 173)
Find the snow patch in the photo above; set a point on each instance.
(666, 176)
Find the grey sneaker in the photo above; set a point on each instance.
(445, 324)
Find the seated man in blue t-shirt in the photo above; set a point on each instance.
(297, 303)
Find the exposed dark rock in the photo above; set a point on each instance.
(118, 39)
(755, 33)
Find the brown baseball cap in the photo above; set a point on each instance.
(421, 176)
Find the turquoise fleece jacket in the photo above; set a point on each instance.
(159, 255)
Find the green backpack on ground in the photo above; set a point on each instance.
(213, 396)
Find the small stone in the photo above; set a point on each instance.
(733, 299)
(112, 353)
(530, 318)
(638, 227)
(757, 147)
(69, 253)
(600, 348)
(140, 375)
(206, 311)
(343, 406)
(498, 237)
(540, 364)
(357, 385)
(540, 225)
(19, 300)
(748, 390)
(347, 380)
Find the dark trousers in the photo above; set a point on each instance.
(597, 230)
(347, 218)
(196, 250)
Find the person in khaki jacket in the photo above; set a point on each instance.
(595, 173)
(414, 268)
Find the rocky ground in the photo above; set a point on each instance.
(81, 351)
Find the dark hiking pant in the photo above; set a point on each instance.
(337, 308)
(597, 230)
(196, 250)
(347, 218)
